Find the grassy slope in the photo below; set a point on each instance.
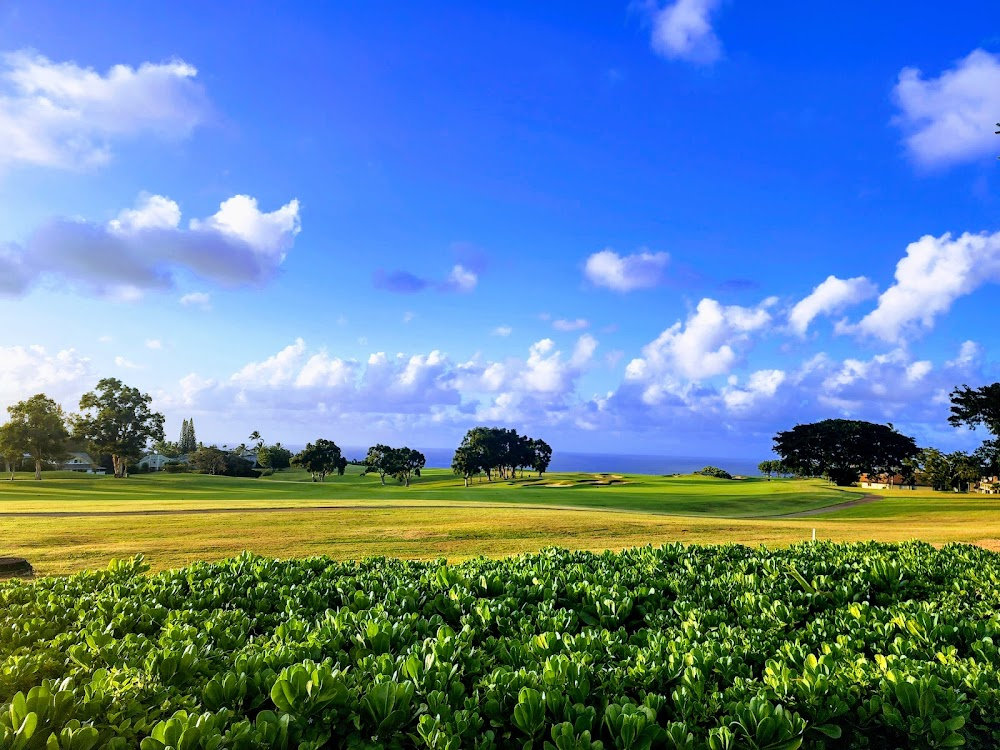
(437, 517)
(645, 494)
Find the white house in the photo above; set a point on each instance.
(989, 485)
(156, 461)
(79, 461)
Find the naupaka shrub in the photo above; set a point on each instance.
(694, 647)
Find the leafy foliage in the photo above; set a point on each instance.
(188, 442)
(37, 427)
(321, 458)
(975, 407)
(843, 449)
(714, 471)
(399, 463)
(117, 419)
(703, 648)
(495, 450)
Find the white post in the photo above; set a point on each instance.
(814, 535)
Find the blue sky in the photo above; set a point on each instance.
(611, 225)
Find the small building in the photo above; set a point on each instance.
(78, 461)
(882, 481)
(156, 461)
(989, 486)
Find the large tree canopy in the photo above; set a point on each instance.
(321, 458)
(502, 451)
(975, 407)
(399, 463)
(117, 420)
(843, 449)
(37, 427)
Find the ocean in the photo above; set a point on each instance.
(610, 463)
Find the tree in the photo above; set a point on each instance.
(988, 456)
(464, 463)
(166, 448)
(975, 407)
(274, 457)
(38, 427)
(117, 420)
(934, 469)
(843, 449)
(541, 456)
(715, 471)
(279, 457)
(257, 440)
(209, 460)
(378, 461)
(11, 451)
(965, 470)
(188, 443)
(320, 459)
(503, 451)
(405, 463)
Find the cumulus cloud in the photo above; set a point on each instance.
(707, 344)
(26, 370)
(202, 300)
(949, 119)
(144, 247)
(625, 273)
(934, 273)
(297, 381)
(460, 279)
(155, 344)
(64, 116)
(503, 331)
(832, 296)
(761, 385)
(564, 324)
(682, 30)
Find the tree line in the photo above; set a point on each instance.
(117, 421)
(114, 420)
(499, 451)
(842, 450)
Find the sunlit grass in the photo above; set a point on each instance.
(352, 517)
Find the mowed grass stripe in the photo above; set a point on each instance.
(635, 493)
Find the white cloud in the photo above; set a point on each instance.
(682, 30)
(460, 279)
(408, 316)
(153, 212)
(127, 364)
(197, 299)
(761, 385)
(934, 273)
(570, 325)
(949, 119)
(26, 370)
(269, 235)
(626, 273)
(280, 369)
(832, 296)
(65, 116)
(704, 346)
(155, 344)
(503, 331)
(144, 247)
(969, 354)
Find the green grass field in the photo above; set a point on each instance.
(66, 523)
